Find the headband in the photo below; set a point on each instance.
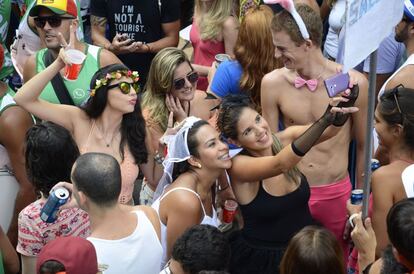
(114, 75)
(290, 7)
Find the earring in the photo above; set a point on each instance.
(198, 165)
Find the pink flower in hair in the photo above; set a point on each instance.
(129, 73)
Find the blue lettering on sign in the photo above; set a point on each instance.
(360, 8)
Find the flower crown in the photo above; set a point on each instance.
(114, 75)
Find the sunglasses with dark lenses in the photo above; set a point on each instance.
(192, 77)
(53, 21)
(125, 87)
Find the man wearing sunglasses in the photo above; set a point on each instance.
(52, 18)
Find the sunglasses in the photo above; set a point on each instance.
(53, 21)
(125, 87)
(192, 77)
(397, 103)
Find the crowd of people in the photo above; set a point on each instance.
(153, 142)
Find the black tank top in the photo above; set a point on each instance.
(273, 220)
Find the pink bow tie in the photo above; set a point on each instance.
(312, 84)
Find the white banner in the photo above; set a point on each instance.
(368, 22)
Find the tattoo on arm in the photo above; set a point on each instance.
(98, 21)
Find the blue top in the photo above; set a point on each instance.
(226, 80)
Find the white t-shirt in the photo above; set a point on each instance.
(140, 252)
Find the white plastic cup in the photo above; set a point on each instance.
(76, 57)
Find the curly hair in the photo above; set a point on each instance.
(50, 154)
(202, 247)
(133, 123)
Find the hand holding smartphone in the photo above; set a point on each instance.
(337, 84)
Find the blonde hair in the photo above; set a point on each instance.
(160, 83)
(210, 24)
(254, 50)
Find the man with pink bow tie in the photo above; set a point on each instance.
(296, 94)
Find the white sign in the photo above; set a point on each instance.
(368, 22)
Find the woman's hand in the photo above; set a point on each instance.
(170, 131)
(174, 105)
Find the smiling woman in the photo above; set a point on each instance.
(273, 195)
(394, 123)
(171, 87)
(111, 121)
(196, 158)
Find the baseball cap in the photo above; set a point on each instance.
(409, 9)
(59, 7)
(77, 255)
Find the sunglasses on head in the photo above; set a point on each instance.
(397, 103)
(125, 87)
(192, 77)
(54, 21)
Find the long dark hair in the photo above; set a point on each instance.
(192, 144)
(132, 125)
(229, 115)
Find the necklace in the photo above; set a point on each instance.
(108, 144)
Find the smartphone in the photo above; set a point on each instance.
(337, 84)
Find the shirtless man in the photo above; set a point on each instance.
(326, 165)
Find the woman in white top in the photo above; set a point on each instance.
(196, 157)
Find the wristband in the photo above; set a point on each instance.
(296, 150)
(148, 48)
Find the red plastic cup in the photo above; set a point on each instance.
(76, 57)
(229, 211)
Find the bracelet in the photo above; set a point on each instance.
(158, 158)
(148, 47)
(351, 219)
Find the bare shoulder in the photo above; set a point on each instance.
(277, 76)
(106, 57)
(386, 176)
(230, 23)
(403, 77)
(149, 212)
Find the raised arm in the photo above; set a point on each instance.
(28, 96)
(230, 32)
(252, 169)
